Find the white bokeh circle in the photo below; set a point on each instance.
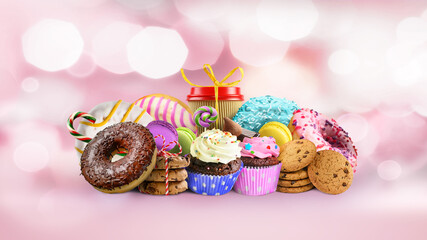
(287, 20)
(140, 4)
(204, 47)
(355, 125)
(389, 170)
(30, 84)
(343, 62)
(84, 67)
(412, 29)
(255, 48)
(52, 45)
(157, 52)
(201, 10)
(31, 156)
(109, 46)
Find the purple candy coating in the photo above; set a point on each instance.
(166, 130)
(203, 112)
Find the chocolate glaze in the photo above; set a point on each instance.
(247, 133)
(199, 166)
(96, 165)
(259, 162)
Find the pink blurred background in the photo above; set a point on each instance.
(362, 62)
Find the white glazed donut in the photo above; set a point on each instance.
(107, 114)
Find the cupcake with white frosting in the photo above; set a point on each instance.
(215, 163)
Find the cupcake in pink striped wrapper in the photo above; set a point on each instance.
(261, 170)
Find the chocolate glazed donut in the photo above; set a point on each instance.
(127, 173)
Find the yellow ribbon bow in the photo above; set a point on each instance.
(208, 70)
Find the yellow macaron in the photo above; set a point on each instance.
(278, 131)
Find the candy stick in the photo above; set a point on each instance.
(71, 129)
(167, 155)
(79, 136)
(204, 116)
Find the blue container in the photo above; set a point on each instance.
(211, 185)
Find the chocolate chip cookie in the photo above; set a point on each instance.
(296, 154)
(298, 175)
(330, 172)
(174, 162)
(293, 183)
(294, 189)
(175, 175)
(158, 188)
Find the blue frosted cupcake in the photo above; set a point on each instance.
(215, 163)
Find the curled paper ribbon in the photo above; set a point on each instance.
(205, 115)
(167, 155)
(208, 69)
(79, 136)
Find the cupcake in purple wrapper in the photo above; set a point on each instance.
(261, 170)
(215, 163)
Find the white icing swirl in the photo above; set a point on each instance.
(216, 146)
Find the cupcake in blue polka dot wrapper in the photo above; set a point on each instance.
(260, 110)
(215, 163)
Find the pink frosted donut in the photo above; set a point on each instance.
(325, 133)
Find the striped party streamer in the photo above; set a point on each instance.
(167, 155)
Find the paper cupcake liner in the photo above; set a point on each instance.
(258, 180)
(226, 109)
(212, 185)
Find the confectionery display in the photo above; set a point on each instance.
(160, 146)
(258, 111)
(164, 129)
(125, 174)
(166, 182)
(330, 172)
(224, 97)
(325, 133)
(169, 109)
(261, 169)
(278, 131)
(296, 155)
(107, 114)
(215, 163)
(185, 138)
(168, 177)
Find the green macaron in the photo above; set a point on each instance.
(185, 139)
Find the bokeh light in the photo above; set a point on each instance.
(287, 20)
(31, 156)
(389, 170)
(253, 47)
(30, 84)
(343, 62)
(204, 47)
(297, 82)
(201, 10)
(140, 4)
(355, 125)
(52, 45)
(84, 67)
(157, 52)
(412, 29)
(53, 102)
(109, 46)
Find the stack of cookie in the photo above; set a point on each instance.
(295, 156)
(155, 184)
